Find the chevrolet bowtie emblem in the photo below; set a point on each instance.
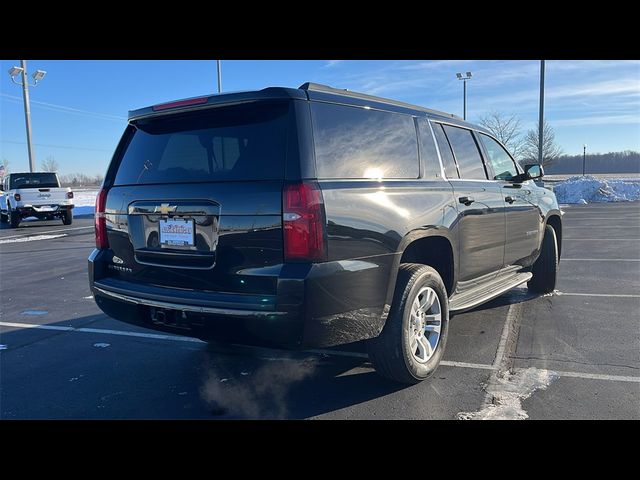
(165, 208)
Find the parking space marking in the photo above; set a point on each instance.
(599, 259)
(597, 376)
(43, 233)
(31, 238)
(617, 295)
(600, 239)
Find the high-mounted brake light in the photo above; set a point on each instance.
(17, 197)
(100, 220)
(69, 194)
(303, 219)
(181, 103)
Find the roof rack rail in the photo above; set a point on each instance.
(318, 87)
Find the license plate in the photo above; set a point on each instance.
(177, 232)
(44, 209)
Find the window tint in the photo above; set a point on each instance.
(500, 160)
(33, 180)
(236, 143)
(466, 152)
(353, 142)
(428, 150)
(448, 161)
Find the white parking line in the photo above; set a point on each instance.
(43, 233)
(601, 239)
(32, 238)
(600, 259)
(597, 376)
(337, 353)
(617, 295)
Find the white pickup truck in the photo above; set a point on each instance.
(36, 194)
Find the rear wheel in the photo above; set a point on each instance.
(413, 340)
(14, 218)
(67, 218)
(545, 269)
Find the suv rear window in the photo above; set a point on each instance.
(33, 180)
(246, 142)
(353, 142)
(466, 152)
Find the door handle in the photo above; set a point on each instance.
(466, 200)
(509, 199)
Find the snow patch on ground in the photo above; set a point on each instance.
(84, 201)
(506, 393)
(588, 189)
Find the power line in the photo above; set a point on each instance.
(62, 108)
(59, 146)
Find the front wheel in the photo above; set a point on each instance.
(3, 218)
(545, 269)
(14, 218)
(67, 217)
(413, 340)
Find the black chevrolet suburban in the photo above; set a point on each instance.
(315, 217)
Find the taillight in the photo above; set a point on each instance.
(100, 221)
(17, 197)
(69, 194)
(303, 221)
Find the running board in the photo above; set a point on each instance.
(481, 294)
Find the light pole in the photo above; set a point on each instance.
(541, 119)
(464, 79)
(584, 157)
(37, 76)
(219, 77)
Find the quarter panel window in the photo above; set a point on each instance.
(352, 142)
(466, 152)
(428, 150)
(501, 162)
(448, 162)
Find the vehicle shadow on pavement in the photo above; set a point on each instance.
(122, 376)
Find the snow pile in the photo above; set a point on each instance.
(84, 201)
(589, 189)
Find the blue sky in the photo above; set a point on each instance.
(79, 110)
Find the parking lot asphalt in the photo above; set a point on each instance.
(571, 355)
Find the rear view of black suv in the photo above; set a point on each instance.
(315, 217)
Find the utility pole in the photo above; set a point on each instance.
(37, 76)
(584, 158)
(541, 120)
(219, 77)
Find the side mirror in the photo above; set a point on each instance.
(534, 171)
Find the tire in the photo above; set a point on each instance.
(545, 268)
(67, 218)
(14, 219)
(3, 218)
(391, 352)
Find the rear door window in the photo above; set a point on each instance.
(448, 162)
(353, 142)
(246, 142)
(466, 153)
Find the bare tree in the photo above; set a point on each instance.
(5, 164)
(50, 164)
(550, 149)
(507, 129)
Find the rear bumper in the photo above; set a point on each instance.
(316, 305)
(38, 211)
